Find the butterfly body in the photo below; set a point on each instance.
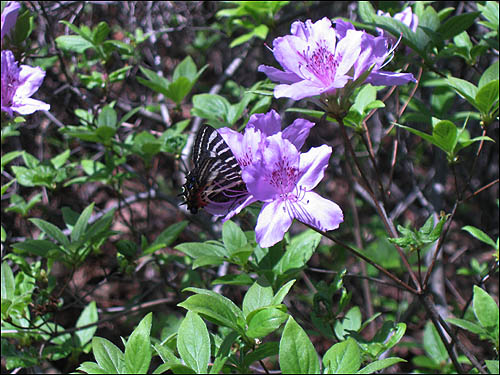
(215, 180)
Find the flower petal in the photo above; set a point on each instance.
(9, 17)
(26, 106)
(298, 132)
(31, 78)
(278, 75)
(312, 166)
(318, 212)
(298, 90)
(268, 123)
(382, 78)
(348, 50)
(272, 223)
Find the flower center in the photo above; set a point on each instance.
(284, 177)
(321, 62)
(10, 83)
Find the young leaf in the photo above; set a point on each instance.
(193, 342)
(380, 365)
(265, 321)
(343, 358)
(257, 296)
(107, 355)
(297, 354)
(51, 230)
(433, 345)
(282, 292)
(8, 283)
(138, 348)
(485, 309)
(214, 307)
(81, 223)
(232, 236)
(480, 235)
(88, 316)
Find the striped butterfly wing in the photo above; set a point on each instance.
(216, 176)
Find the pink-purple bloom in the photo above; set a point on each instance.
(318, 59)
(276, 173)
(18, 85)
(9, 17)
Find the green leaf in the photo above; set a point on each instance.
(107, 355)
(282, 292)
(42, 248)
(492, 366)
(8, 157)
(298, 252)
(233, 237)
(81, 223)
(265, 321)
(207, 260)
(343, 358)
(433, 345)
(138, 348)
(107, 117)
(465, 324)
(297, 354)
(485, 309)
(239, 279)
(186, 68)
(51, 230)
(178, 89)
(8, 283)
(490, 74)
(456, 24)
(351, 322)
(210, 106)
(88, 316)
(168, 236)
(464, 88)
(199, 249)
(380, 365)
(444, 134)
(73, 43)
(193, 342)
(92, 368)
(215, 308)
(480, 235)
(487, 96)
(265, 350)
(101, 32)
(256, 297)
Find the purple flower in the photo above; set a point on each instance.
(18, 84)
(247, 147)
(9, 16)
(283, 179)
(314, 62)
(318, 59)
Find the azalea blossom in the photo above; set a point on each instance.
(283, 179)
(9, 16)
(18, 85)
(318, 59)
(246, 147)
(314, 62)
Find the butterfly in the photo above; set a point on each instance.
(215, 181)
